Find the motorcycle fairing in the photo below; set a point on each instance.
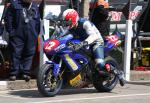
(72, 61)
(50, 45)
(110, 42)
(59, 47)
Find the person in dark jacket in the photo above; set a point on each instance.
(100, 16)
(23, 25)
(75, 4)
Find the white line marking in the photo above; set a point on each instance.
(79, 99)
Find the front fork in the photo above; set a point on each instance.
(56, 69)
(52, 82)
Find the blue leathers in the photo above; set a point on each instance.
(23, 25)
(87, 32)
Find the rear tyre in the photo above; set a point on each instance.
(47, 84)
(106, 83)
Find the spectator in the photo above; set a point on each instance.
(75, 4)
(100, 16)
(23, 25)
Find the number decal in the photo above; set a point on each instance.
(112, 38)
(50, 45)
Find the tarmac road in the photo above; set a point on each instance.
(130, 93)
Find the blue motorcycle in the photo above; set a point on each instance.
(75, 68)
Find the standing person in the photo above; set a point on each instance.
(100, 16)
(75, 4)
(23, 25)
(86, 31)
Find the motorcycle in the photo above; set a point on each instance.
(75, 68)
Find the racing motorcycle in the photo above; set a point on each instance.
(75, 68)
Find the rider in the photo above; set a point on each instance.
(86, 31)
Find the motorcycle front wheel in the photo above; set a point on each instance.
(106, 83)
(47, 84)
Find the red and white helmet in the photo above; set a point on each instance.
(72, 16)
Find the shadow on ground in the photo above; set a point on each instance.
(36, 94)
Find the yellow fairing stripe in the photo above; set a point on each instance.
(71, 62)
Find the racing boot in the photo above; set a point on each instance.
(121, 78)
(119, 73)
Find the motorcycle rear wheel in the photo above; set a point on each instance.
(46, 84)
(106, 84)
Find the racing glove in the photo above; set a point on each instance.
(80, 45)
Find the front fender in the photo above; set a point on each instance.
(55, 67)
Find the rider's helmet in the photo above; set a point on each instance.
(71, 16)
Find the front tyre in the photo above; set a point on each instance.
(106, 83)
(47, 84)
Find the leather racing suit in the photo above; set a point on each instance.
(86, 31)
